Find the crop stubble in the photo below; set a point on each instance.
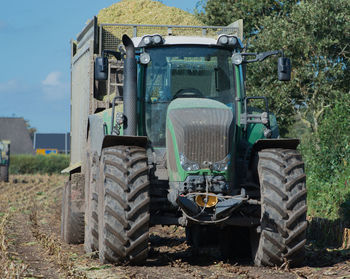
(30, 245)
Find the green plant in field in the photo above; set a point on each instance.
(328, 151)
(327, 156)
(38, 164)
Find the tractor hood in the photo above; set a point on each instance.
(197, 137)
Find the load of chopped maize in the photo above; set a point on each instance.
(146, 12)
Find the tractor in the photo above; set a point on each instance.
(163, 133)
(4, 160)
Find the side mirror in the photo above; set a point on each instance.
(101, 66)
(284, 69)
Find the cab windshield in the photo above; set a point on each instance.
(184, 71)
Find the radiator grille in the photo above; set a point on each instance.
(202, 134)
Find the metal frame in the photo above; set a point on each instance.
(254, 118)
(231, 29)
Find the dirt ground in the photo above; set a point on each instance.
(30, 245)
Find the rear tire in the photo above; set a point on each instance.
(124, 210)
(4, 173)
(72, 218)
(283, 208)
(91, 202)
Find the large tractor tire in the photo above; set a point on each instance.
(283, 208)
(4, 173)
(123, 205)
(72, 218)
(91, 204)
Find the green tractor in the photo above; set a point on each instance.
(4, 160)
(181, 144)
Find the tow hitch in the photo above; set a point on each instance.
(210, 207)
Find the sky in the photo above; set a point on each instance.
(35, 57)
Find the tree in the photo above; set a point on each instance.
(319, 45)
(224, 12)
(30, 129)
(315, 34)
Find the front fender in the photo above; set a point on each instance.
(99, 140)
(275, 143)
(112, 140)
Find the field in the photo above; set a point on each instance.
(30, 244)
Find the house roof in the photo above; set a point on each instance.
(52, 141)
(15, 130)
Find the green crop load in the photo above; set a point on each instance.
(146, 12)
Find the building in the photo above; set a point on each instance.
(15, 130)
(52, 143)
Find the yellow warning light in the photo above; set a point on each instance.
(207, 201)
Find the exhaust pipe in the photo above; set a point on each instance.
(130, 88)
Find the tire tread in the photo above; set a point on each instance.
(283, 210)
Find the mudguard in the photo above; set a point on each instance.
(99, 140)
(112, 140)
(275, 143)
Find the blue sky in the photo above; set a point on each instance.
(34, 52)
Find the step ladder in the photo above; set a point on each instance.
(115, 78)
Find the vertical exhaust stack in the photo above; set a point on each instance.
(130, 88)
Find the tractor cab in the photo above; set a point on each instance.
(178, 70)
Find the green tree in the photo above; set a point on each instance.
(328, 151)
(315, 34)
(30, 129)
(224, 12)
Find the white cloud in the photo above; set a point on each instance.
(53, 86)
(52, 79)
(10, 86)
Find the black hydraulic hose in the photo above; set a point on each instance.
(130, 88)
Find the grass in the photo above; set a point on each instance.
(329, 209)
(38, 164)
(330, 199)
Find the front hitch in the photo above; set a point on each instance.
(193, 208)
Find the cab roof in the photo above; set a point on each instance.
(181, 40)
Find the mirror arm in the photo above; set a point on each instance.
(116, 54)
(250, 54)
(261, 56)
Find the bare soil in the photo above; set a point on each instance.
(30, 245)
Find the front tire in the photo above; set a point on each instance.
(283, 208)
(123, 205)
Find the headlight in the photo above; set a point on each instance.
(188, 165)
(222, 165)
(157, 39)
(149, 40)
(237, 59)
(228, 40)
(223, 40)
(145, 58)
